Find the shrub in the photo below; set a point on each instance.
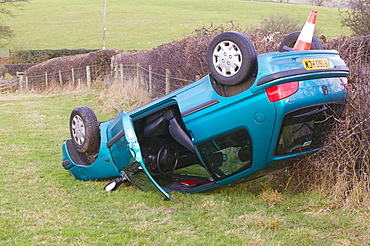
(341, 168)
(356, 53)
(357, 17)
(98, 60)
(12, 69)
(186, 58)
(277, 26)
(38, 56)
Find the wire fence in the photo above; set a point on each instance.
(156, 84)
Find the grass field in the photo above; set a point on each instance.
(41, 204)
(144, 24)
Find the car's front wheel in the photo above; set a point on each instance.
(231, 58)
(84, 130)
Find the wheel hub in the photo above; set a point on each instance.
(78, 130)
(227, 58)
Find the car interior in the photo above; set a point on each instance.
(169, 154)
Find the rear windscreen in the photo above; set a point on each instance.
(307, 128)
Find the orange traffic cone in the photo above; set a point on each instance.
(305, 37)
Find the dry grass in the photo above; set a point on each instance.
(271, 196)
(117, 97)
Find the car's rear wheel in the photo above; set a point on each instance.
(84, 130)
(231, 58)
(291, 39)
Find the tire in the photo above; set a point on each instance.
(231, 58)
(291, 39)
(84, 130)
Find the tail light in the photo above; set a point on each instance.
(344, 82)
(279, 92)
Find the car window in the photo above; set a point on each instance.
(307, 128)
(228, 154)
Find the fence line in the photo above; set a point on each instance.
(9, 85)
(156, 84)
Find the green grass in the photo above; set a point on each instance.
(144, 24)
(41, 204)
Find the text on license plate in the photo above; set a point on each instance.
(321, 63)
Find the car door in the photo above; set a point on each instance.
(126, 154)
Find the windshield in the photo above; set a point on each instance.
(307, 128)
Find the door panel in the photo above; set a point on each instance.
(126, 153)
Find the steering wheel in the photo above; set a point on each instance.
(167, 155)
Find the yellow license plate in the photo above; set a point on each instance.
(321, 63)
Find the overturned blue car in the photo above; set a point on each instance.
(251, 115)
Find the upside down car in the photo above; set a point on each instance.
(251, 115)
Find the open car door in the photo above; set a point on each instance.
(126, 153)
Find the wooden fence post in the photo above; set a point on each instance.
(150, 82)
(88, 77)
(60, 79)
(21, 82)
(26, 83)
(20, 76)
(73, 76)
(168, 82)
(121, 73)
(138, 74)
(46, 80)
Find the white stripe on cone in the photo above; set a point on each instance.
(305, 37)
